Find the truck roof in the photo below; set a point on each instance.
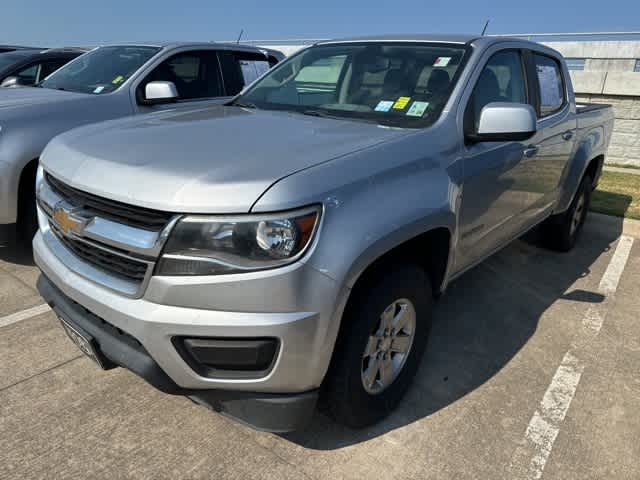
(174, 44)
(420, 37)
(478, 40)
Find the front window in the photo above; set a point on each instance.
(502, 80)
(101, 70)
(399, 84)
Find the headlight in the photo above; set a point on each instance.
(201, 245)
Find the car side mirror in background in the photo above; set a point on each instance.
(160, 92)
(10, 82)
(503, 122)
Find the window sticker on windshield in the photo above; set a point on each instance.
(99, 89)
(117, 80)
(384, 106)
(417, 109)
(442, 61)
(401, 103)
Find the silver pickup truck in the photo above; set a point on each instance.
(110, 82)
(288, 245)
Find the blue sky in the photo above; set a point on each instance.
(69, 22)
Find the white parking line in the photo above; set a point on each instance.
(24, 314)
(531, 456)
(611, 277)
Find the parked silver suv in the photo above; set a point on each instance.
(110, 82)
(289, 244)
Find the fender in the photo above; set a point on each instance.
(592, 145)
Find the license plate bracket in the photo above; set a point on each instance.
(85, 343)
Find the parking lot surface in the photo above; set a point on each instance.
(531, 372)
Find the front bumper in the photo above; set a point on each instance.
(264, 411)
(295, 305)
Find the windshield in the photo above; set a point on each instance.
(101, 70)
(400, 84)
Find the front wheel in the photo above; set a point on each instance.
(384, 335)
(562, 231)
(27, 224)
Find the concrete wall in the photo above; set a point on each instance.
(608, 77)
(598, 48)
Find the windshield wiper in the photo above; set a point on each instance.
(318, 113)
(244, 104)
(323, 114)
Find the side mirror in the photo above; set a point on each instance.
(160, 92)
(503, 122)
(10, 82)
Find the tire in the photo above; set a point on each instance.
(392, 289)
(27, 224)
(561, 232)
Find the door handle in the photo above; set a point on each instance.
(530, 151)
(567, 135)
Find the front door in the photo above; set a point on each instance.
(494, 172)
(196, 75)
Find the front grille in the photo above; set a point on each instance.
(113, 263)
(131, 215)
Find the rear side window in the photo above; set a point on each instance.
(551, 85)
(241, 68)
(502, 80)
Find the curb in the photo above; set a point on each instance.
(627, 226)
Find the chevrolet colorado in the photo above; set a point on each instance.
(288, 245)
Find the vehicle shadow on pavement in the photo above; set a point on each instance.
(480, 324)
(12, 250)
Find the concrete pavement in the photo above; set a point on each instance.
(500, 335)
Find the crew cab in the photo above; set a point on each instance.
(108, 82)
(289, 245)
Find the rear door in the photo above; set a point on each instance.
(554, 140)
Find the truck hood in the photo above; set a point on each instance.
(211, 160)
(30, 96)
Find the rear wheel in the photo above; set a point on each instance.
(384, 335)
(562, 231)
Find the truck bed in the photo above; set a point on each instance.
(590, 107)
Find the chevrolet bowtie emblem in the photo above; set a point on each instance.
(66, 221)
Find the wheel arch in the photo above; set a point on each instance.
(26, 182)
(430, 250)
